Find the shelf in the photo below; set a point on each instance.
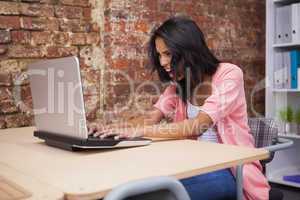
(286, 90)
(293, 136)
(285, 1)
(276, 176)
(284, 45)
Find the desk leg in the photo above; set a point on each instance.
(239, 182)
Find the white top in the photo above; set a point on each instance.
(210, 135)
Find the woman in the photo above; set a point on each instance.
(205, 100)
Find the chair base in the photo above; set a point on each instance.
(275, 194)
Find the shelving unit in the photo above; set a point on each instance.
(283, 45)
(286, 162)
(285, 1)
(286, 90)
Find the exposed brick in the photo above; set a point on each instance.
(20, 51)
(3, 49)
(15, 71)
(9, 22)
(121, 63)
(78, 38)
(31, 1)
(31, 23)
(51, 2)
(54, 51)
(52, 24)
(5, 79)
(128, 39)
(74, 25)
(18, 120)
(9, 65)
(127, 25)
(87, 13)
(91, 105)
(60, 38)
(9, 8)
(165, 6)
(8, 106)
(69, 12)
(5, 93)
(94, 27)
(4, 36)
(83, 3)
(36, 10)
(22, 63)
(38, 38)
(142, 26)
(25, 100)
(91, 81)
(2, 122)
(85, 55)
(113, 76)
(93, 38)
(22, 37)
(20, 78)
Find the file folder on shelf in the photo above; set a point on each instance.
(298, 78)
(278, 25)
(278, 71)
(283, 27)
(295, 64)
(287, 24)
(295, 16)
(287, 69)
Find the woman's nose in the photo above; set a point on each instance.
(166, 64)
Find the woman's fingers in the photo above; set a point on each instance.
(92, 128)
(105, 135)
(101, 131)
(118, 133)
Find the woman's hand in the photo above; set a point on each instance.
(116, 130)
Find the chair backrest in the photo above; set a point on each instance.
(156, 188)
(264, 131)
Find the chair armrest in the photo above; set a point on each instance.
(153, 184)
(282, 143)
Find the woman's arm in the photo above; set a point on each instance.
(151, 117)
(180, 130)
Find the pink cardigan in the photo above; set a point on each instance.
(228, 109)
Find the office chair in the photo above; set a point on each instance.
(156, 188)
(265, 133)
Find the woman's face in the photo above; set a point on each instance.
(165, 59)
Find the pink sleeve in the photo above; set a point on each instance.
(227, 95)
(167, 102)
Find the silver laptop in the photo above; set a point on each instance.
(59, 107)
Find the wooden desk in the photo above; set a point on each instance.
(52, 173)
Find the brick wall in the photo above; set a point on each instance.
(109, 37)
(234, 31)
(34, 29)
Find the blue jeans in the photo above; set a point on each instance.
(219, 185)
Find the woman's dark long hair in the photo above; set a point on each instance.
(188, 48)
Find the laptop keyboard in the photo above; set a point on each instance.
(110, 138)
